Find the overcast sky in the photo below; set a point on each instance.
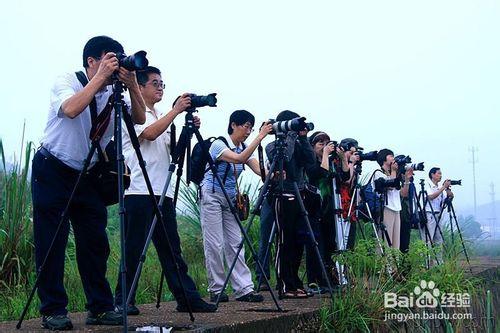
(418, 77)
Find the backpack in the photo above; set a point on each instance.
(371, 197)
(199, 160)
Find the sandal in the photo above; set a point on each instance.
(296, 294)
(308, 293)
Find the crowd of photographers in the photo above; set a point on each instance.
(314, 177)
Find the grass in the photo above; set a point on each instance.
(358, 308)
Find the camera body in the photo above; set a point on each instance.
(136, 61)
(295, 125)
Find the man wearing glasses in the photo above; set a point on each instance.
(154, 139)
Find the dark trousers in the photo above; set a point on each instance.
(266, 225)
(139, 215)
(290, 246)
(51, 183)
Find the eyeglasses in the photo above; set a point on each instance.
(248, 127)
(157, 84)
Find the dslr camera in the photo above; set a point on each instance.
(134, 62)
(295, 125)
(199, 101)
(404, 163)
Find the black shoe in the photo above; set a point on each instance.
(197, 305)
(132, 310)
(57, 323)
(105, 318)
(251, 297)
(214, 296)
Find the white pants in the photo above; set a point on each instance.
(392, 222)
(221, 238)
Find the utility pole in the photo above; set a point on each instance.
(474, 150)
(493, 218)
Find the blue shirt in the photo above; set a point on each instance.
(209, 182)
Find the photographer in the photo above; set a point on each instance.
(221, 232)
(352, 155)
(154, 139)
(299, 156)
(331, 165)
(56, 167)
(391, 194)
(436, 196)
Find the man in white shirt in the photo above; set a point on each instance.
(154, 139)
(434, 202)
(392, 199)
(55, 169)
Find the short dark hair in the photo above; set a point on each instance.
(143, 74)
(382, 155)
(97, 45)
(433, 171)
(240, 117)
(286, 115)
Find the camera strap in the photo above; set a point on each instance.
(99, 123)
(260, 151)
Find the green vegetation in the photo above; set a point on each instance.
(359, 307)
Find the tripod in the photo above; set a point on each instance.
(97, 131)
(279, 158)
(425, 199)
(414, 198)
(183, 149)
(356, 206)
(448, 205)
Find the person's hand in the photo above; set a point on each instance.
(408, 174)
(265, 130)
(447, 184)
(394, 166)
(127, 77)
(197, 121)
(354, 157)
(328, 149)
(182, 104)
(341, 154)
(109, 64)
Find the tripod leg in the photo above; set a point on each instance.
(240, 246)
(313, 240)
(460, 235)
(64, 216)
(268, 251)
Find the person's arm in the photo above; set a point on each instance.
(437, 193)
(231, 157)
(406, 185)
(75, 104)
(253, 163)
(154, 130)
(138, 107)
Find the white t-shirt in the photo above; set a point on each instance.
(393, 196)
(437, 202)
(66, 138)
(156, 155)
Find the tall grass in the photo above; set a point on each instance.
(16, 242)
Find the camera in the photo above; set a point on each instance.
(415, 166)
(402, 160)
(382, 184)
(456, 182)
(296, 125)
(198, 101)
(370, 156)
(132, 62)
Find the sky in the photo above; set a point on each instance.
(418, 77)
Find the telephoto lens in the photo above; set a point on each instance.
(133, 62)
